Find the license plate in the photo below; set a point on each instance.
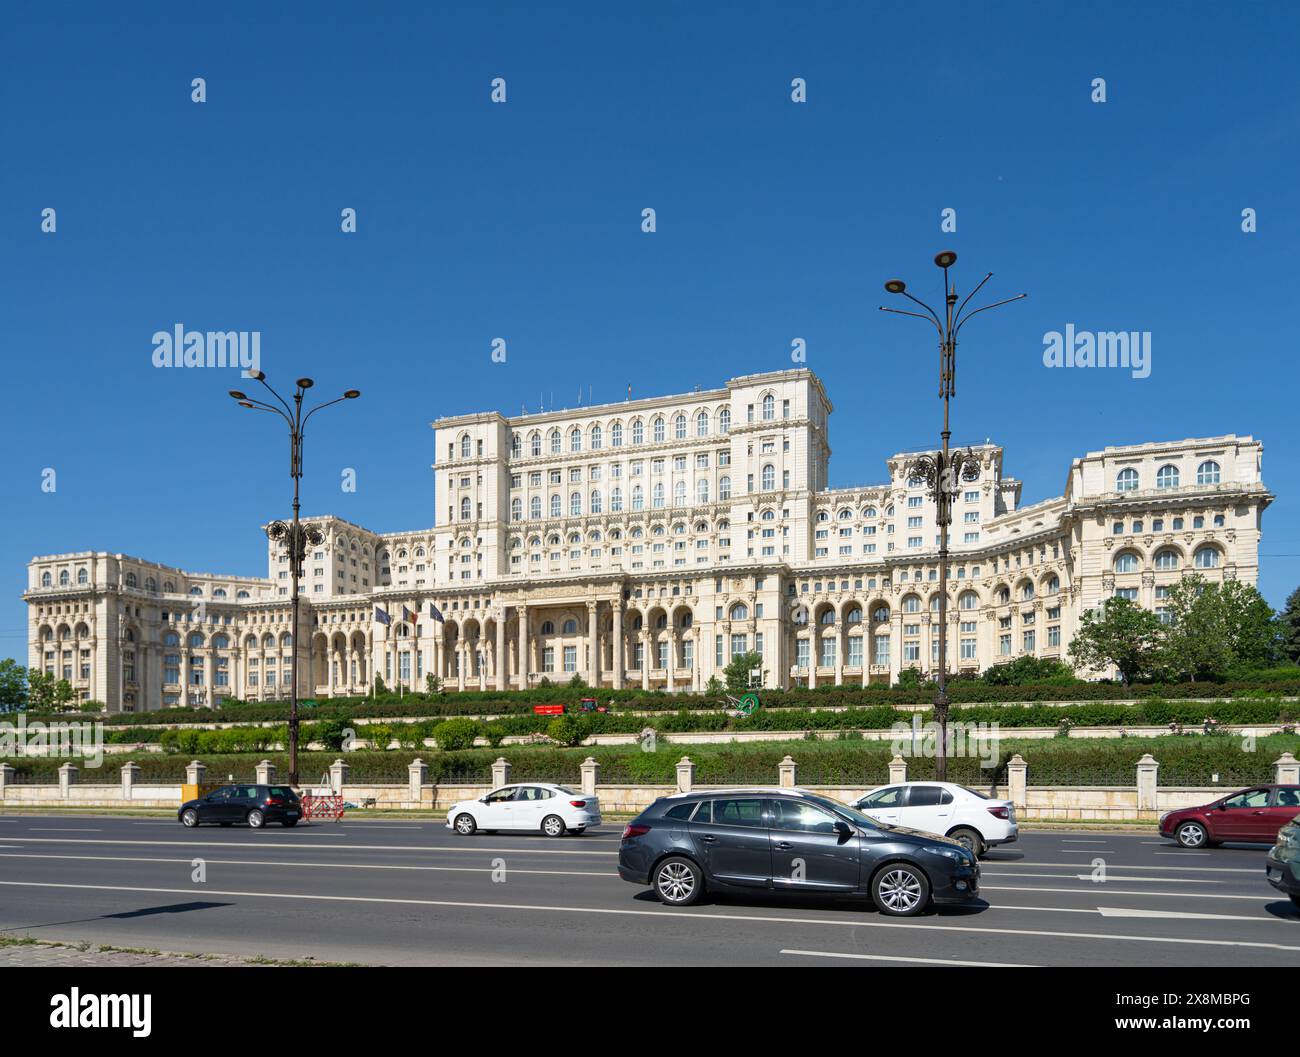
(291, 812)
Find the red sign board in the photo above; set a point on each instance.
(548, 710)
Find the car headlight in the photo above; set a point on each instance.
(955, 854)
(1163, 817)
(1288, 836)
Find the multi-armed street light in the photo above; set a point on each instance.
(945, 472)
(295, 537)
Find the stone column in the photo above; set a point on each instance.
(593, 644)
(130, 775)
(195, 773)
(339, 772)
(417, 775)
(6, 778)
(1147, 777)
(590, 776)
(1286, 770)
(788, 771)
(500, 772)
(645, 658)
(1018, 782)
(685, 774)
(895, 645)
(523, 647)
(265, 773)
(841, 644)
(461, 654)
(814, 652)
(500, 656)
(67, 777)
(618, 644)
(897, 770)
(672, 659)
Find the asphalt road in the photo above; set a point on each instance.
(413, 893)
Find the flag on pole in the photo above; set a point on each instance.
(382, 617)
(436, 613)
(408, 615)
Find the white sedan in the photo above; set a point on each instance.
(949, 810)
(530, 807)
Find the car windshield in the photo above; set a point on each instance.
(856, 817)
(975, 792)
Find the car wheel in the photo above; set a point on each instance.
(289, 822)
(190, 818)
(1191, 835)
(969, 837)
(678, 882)
(553, 826)
(900, 890)
(465, 825)
(256, 819)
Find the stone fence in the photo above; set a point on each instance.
(1145, 799)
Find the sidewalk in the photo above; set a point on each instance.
(42, 954)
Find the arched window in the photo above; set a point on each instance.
(1054, 585)
(724, 420)
(575, 439)
(869, 512)
(702, 490)
(968, 600)
(1167, 559)
(702, 424)
(845, 514)
(1206, 557)
(195, 641)
(658, 430)
(724, 487)
(597, 438)
(638, 432)
(548, 628)
(657, 496)
(555, 505)
(555, 442)
(769, 407)
(64, 579)
(570, 627)
(516, 509)
(193, 590)
(220, 592)
(638, 498)
(739, 611)
(1126, 562)
(827, 617)
(220, 642)
(679, 427)
(769, 477)
(465, 509)
(535, 507)
(242, 594)
(46, 580)
(131, 580)
(679, 493)
(767, 515)
(464, 446)
(1026, 592)
(597, 503)
(616, 435)
(1167, 477)
(1207, 472)
(516, 445)
(616, 500)
(535, 443)
(854, 616)
(171, 639)
(880, 614)
(84, 577)
(575, 504)
(911, 604)
(1126, 480)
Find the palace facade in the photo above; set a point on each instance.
(646, 543)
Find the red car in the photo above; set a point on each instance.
(1252, 816)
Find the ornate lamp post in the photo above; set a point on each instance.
(295, 537)
(944, 473)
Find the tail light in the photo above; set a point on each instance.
(273, 801)
(577, 803)
(1001, 811)
(632, 830)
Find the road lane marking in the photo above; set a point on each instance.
(337, 865)
(663, 913)
(914, 961)
(1071, 840)
(1103, 889)
(60, 829)
(1109, 877)
(987, 866)
(1128, 912)
(307, 846)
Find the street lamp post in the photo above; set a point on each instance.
(295, 537)
(944, 473)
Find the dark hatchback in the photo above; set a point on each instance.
(254, 804)
(1282, 868)
(790, 841)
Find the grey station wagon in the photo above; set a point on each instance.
(789, 840)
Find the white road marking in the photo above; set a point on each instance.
(61, 829)
(298, 846)
(915, 961)
(665, 913)
(988, 867)
(1128, 912)
(337, 865)
(1071, 840)
(1106, 890)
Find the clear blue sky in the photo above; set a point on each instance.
(776, 221)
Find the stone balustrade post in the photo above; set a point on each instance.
(67, 777)
(417, 776)
(130, 775)
(1286, 770)
(685, 774)
(788, 772)
(500, 772)
(339, 772)
(590, 776)
(897, 770)
(1147, 783)
(265, 773)
(1018, 782)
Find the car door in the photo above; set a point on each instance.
(498, 807)
(927, 807)
(529, 807)
(1285, 807)
(215, 807)
(809, 851)
(732, 836)
(1241, 817)
(884, 805)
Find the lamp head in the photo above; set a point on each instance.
(896, 286)
(235, 394)
(245, 403)
(257, 376)
(305, 383)
(946, 259)
(351, 394)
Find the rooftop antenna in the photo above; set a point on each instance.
(629, 390)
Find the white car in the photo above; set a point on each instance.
(949, 810)
(530, 807)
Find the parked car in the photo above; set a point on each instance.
(529, 807)
(1282, 868)
(254, 804)
(978, 821)
(789, 840)
(1252, 816)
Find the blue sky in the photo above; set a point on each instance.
(776, 221)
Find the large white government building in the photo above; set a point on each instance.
(645, 543)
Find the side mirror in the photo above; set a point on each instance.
(843, 829)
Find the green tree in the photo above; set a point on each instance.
(1215, 626)
(13, 686)
(40, 692)
(567, 730)
(1026, 669)
(1121, 634)
(454, 734)
(737, 672)
(1289, 621)
(714, 687)
(432, 684)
